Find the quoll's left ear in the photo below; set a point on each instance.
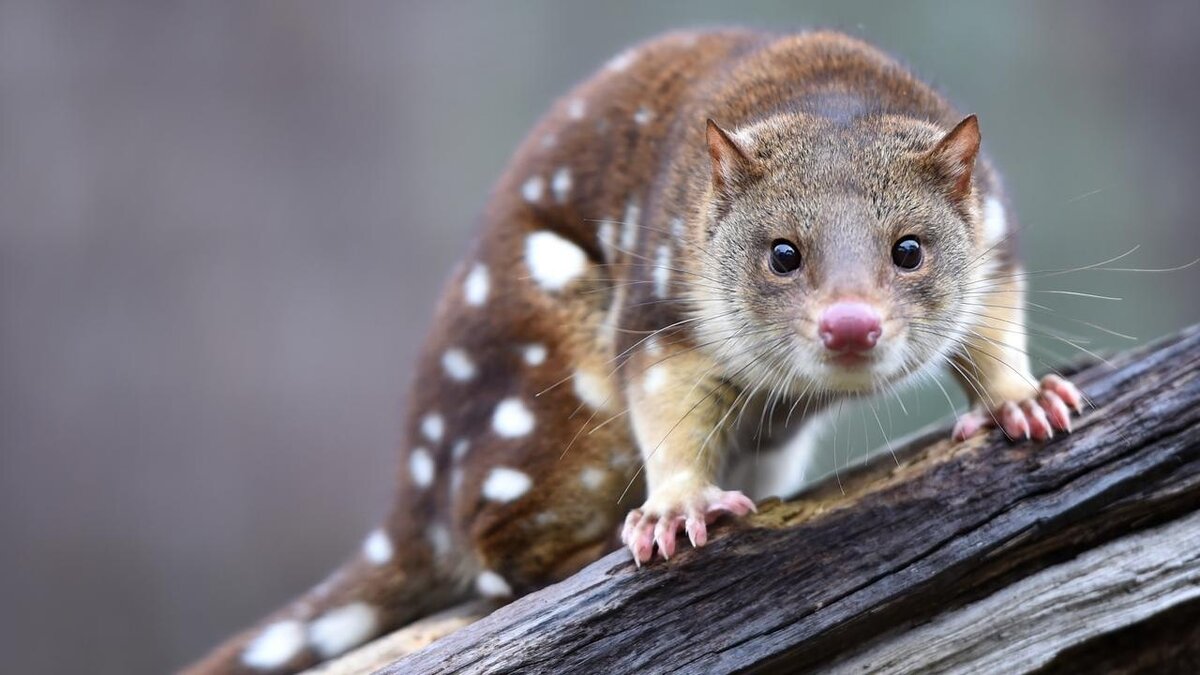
(953, 158)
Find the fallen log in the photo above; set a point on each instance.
(955, 557)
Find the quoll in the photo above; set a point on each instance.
(715, 230)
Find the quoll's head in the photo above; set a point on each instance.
(843, 248)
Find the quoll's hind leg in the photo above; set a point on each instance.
(535, 510)
(516, 377)
(525, 473)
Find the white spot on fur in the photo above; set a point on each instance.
(377, 547)
(476, 285)
(592, 478)
(623, 461)
(622, 61)
(545, 518)
(456, 479)
(549, 140)
(576, 109)
(994, 220)
(655, 378)
(439, 539)
(532, 189)
(277, 644)
(553, 261)
(512, 419)
(421, 466)
(607, 234)
(677, 228)
(592, 389)
(459, 450)
(608, 327)
(504, 484)
(643, 115)
(492, 585)
(342, 629)
(433, 427)
(535, 355)
(662, 271)
(458, 365)
(561, 184)
(630, 226)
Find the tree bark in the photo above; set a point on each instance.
(953, 557)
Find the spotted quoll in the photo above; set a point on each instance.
(716, 234)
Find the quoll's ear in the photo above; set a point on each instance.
(731, 165)
(953, 158)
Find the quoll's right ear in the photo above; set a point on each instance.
(732, 167)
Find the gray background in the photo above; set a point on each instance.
(223, 227)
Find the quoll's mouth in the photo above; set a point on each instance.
(852, 360)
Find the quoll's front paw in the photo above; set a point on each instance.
(659, 519)
(1037, 418)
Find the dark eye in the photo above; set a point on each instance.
(785, 259)
(907, 253)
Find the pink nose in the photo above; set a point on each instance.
(850, 327)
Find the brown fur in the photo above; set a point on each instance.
(818, 138)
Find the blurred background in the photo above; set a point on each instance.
(223, 227)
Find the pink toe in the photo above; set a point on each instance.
(742, 505)
(1065, 390)
(1014, 421)
(1056, 410)
(1039, 425)
(631, 544)
(732, 502)
(644, 541)
(664, 537)
(630, 527)
(968, 425)
(642, 553)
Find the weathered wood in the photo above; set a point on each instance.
(1168, 642)
(840, 570)
(1108, 588)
